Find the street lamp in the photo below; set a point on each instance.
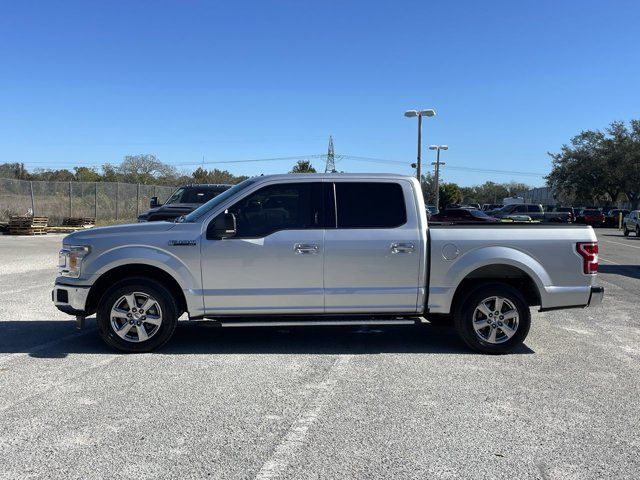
(437, 163)
(419, 113)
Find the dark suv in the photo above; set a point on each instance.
(184, 200)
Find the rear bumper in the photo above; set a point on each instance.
(70, 299)
(596, 297)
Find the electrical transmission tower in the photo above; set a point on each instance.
(331, 159)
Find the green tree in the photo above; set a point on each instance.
(86, 174)
(303, 166)
(13, 170)
(428, 184)
(450, 194)
(599, 166)
(201, 175)
(61, 175)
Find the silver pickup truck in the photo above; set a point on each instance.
(323, 249)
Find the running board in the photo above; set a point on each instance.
(314, 323)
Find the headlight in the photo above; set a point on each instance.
(70, 260)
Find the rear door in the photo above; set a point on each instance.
(372, 255)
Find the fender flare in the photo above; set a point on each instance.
(145, 255)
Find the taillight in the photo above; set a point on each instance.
(589, 253)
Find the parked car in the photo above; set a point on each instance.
(612, 218)
(184, 200)
(491, 206)
(569, 210)
(431, 210)
(533, 210)
(309, 245)
(591, 217)
(462, 215)
(631, 223)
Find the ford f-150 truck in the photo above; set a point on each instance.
(323, 249)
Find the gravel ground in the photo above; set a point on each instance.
(348, 402)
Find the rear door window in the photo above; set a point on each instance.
(370, 205)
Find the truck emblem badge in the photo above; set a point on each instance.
(182, 243)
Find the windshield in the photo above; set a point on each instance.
(478, 214)
(176, 196)
(213, 203)
(194, 194)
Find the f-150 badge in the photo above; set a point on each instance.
(182, 243)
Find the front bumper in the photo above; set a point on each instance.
(70, 299)
(596, 297)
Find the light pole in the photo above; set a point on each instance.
(419, 113)
(437, 163)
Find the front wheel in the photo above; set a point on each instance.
(493, 319)
(637, 230)
(137, 315)
(625, 231)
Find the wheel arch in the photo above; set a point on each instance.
(499, 273)
(122, 272)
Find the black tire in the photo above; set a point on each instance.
(637, 231)
(465, 314)
(146, 286)
(625, 231)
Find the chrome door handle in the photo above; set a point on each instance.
(304, 248)
(402, 248)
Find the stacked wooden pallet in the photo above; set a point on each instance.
(22, 225)
(78, 222)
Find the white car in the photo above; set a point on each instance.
(632, 223)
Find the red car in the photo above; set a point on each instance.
(594, 218)
(462, 215)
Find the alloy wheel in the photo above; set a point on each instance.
(495, 320)
(136, 317)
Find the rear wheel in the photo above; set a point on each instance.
(493, 319)
(137, 315)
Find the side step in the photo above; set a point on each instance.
(313, 323)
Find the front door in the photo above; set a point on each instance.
(274, 263)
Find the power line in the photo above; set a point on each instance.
(458, 168)
(337, 158)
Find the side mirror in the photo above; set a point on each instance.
(223, 226)
(154, 202)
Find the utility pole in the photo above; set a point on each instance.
(437, 164)
(331, 159)
(419, 114)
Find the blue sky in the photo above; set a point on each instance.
(85, 83)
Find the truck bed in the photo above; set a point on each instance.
(545, 253)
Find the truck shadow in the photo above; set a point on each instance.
(57, 339)
(632, 271)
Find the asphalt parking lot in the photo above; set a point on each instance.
(348, 402)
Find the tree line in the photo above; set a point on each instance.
(599, 167)
(145, 169)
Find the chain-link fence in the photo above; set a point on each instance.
(105, 201)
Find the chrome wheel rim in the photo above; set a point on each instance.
(495, 320)
(136, 317)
